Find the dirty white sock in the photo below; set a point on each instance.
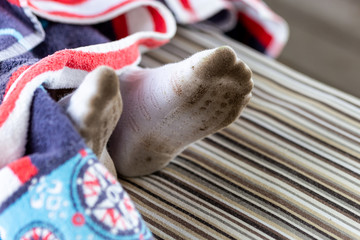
(95, 108)
(167, 108)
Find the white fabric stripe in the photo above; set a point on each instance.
(164, 12)
(14, 130)
(279, 30)
(202, 10)
(257, 6)
(225, 23)
(89, 7)
(29, 41)
(10, 183)
(182, 16)
(77, 76)
(205, 10)
(139, 19)
(16, 82)
(127, 42)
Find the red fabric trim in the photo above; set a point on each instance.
(255, 29)
(78, 219)
(83, 153)
(73, 15)
(23, 169)
(152, 43)
(15, 2)
(186, 5)
(120, 26)
(158, 20)
(70, 2)
(14, 76)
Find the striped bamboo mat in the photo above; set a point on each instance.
(289, 168)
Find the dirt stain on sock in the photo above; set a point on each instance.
(176, 87)
(198, 94)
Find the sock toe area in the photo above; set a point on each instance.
(108, 81)
(216, 63)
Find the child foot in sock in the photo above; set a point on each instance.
(167, 108)
(95, 108)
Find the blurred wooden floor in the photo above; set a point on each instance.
(324, 40)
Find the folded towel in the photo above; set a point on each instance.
(249, 21)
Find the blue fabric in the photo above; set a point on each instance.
(61, 36)
(72, 195)
(14, 24)
(18, 34)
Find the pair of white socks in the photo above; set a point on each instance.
(158, 112)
